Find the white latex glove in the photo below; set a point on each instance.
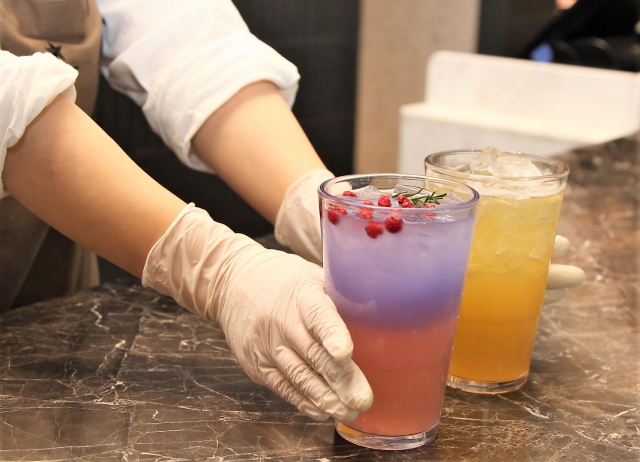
(561, 277)
(282, 328)
(298, 221)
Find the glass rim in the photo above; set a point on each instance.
(563, 173)
(441, 209)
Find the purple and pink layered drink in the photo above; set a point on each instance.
(395, 269)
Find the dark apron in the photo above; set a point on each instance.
(37, 262)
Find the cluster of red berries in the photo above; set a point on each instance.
(392, 223)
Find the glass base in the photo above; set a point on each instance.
(487, 388)
(388, 443)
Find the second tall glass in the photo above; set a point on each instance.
(517, 217)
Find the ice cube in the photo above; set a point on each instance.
(514, 166)
(483, 162)
(368, 192)
(405, 189)
(339, 188)
(451, 198)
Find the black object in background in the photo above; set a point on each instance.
(593, 33)
(506, 26)
(321, 38)
(617, 53)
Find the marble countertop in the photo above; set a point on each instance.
(121, 373)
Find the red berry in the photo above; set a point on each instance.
(401, 198)
(373, 230)
(393, 223)
(407, 204)
(349, 193)
(365, 214)
(367, 202)
(384, 201)
(334, 215)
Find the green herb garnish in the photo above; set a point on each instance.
(421, 197)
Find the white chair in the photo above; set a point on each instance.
(475, 101)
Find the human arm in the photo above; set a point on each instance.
(255, 144)
(220, 100)
(257, 147)
(181, 60)
(68, 172)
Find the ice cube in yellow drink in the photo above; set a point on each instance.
(503, 292)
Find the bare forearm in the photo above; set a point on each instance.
(68, 172)
(255, 144)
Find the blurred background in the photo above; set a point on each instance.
(361, 61)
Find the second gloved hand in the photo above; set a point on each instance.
(561, 277)
(283, 329)
(298, 222)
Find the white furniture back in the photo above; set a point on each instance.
(475, 101)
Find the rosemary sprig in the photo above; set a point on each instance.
(421, 197)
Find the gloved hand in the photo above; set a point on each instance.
(561, 277)
(298, 221)
(282, 328)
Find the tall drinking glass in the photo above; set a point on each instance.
(517, 218)
(395, 272)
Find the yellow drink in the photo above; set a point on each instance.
(510, 254)
(516, 221)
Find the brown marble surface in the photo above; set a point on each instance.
(120, 373)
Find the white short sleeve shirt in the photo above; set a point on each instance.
(182, 59)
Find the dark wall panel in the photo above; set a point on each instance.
(506, 26)
(321, 38)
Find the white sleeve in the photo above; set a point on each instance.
(29, 84)
(183, 59)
